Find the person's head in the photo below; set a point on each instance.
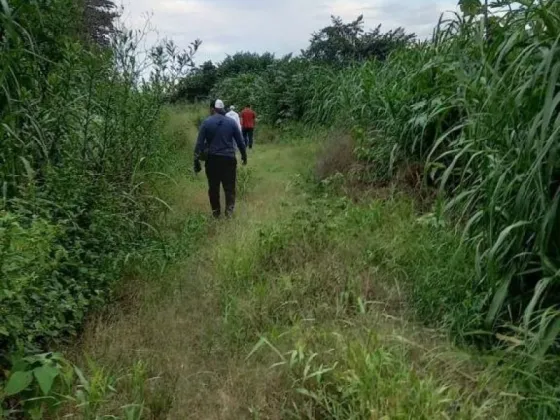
(217, 107)
(248, 106)
(232, 108)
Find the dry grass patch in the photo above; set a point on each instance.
(336, 156)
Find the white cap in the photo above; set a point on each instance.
(232, 107)
(219, 104)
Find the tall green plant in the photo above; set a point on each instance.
(478, 106)
(79, 126)
(483, 114)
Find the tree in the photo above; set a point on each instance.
(380, 45)
(470, 7)
(200, 82)
(343, 43)
(99, 18)
(337, 43)
(245, 62)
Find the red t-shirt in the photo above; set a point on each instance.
(248, 117)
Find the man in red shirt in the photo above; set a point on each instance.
(248, 117)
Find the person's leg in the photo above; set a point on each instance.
(245, 133)
(214, 178)
(250, 135)
(229, 179)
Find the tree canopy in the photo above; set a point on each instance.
(337, 45)
(343, 43)
(202, 79)
(99, 20)
(245, 62)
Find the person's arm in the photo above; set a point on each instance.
(240, 144)
(199, 147)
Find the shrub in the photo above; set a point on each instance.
(80, 132)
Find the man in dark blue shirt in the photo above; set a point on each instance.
(216, 141)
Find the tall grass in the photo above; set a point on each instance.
(80, 134)
(483, 116)
(478, 108)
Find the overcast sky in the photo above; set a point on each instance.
(278, 26)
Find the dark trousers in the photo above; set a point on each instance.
(221, 170)
(248, 136)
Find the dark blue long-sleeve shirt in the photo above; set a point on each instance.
(221, 134)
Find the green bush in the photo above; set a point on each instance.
(29, 300)
(81, 132)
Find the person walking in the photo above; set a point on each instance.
(234, 116)
(248, 122)
(215, 144)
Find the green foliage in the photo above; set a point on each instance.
(440, 271)
(80, 133)
(443, 103)
(278, 95)
(244, 62)
(35, 381)
(283, 89)
(242, 89)
(99, 17)
(200, 81)
(47, 385)
(323, 293)
(344, 43)
(470, 7)
(29, 299)
(279, 86)
(333, 262)
(350, 378)
(197, 85)
(245, 180)
(477, 107)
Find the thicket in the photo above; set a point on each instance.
(477, 107)
(334, 46)
(202, 79)
(80, 132)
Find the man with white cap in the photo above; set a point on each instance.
(234, 116)
(215, 144)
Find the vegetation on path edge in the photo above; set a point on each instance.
(297, 308)
(434, 204)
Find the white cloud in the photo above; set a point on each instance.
(281, 27)
(348, 10)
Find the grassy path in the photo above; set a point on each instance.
(175, 327)
(294, 309)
